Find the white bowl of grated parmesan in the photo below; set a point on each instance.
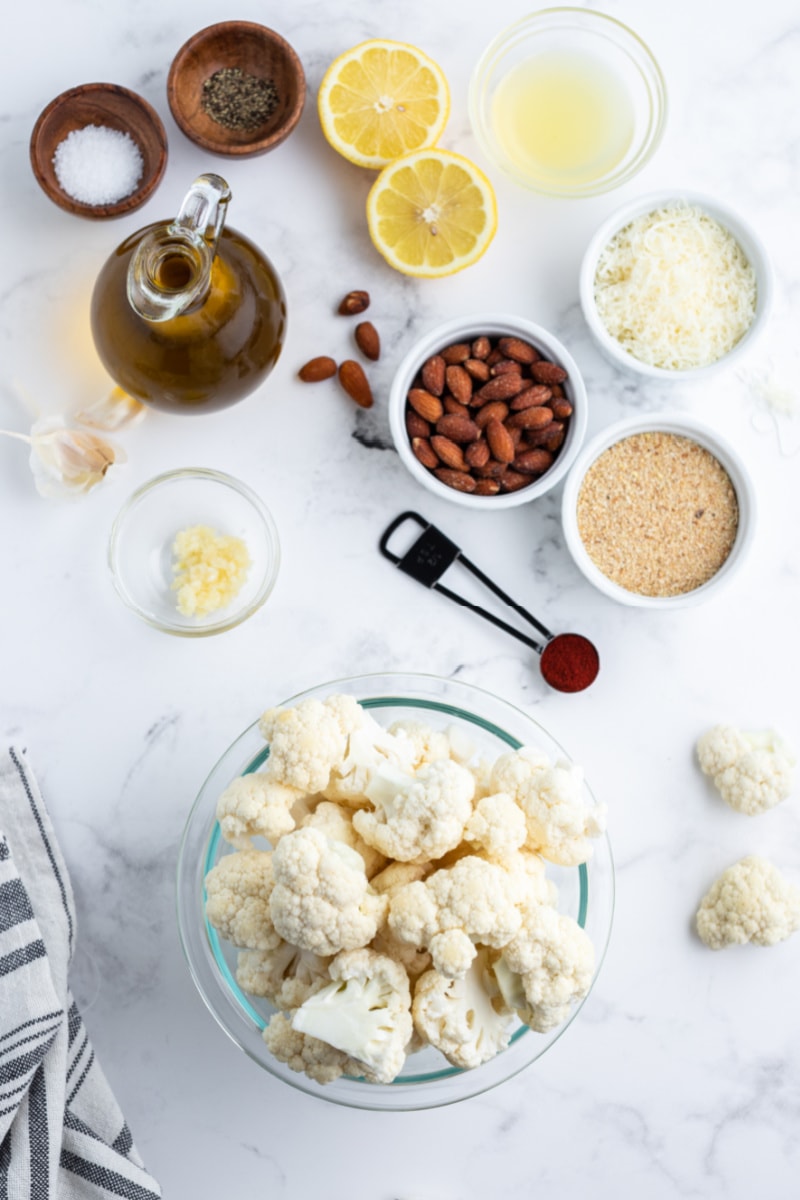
(658, 511)
(675, 286)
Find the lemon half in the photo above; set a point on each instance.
(380, 100)
(431, 213)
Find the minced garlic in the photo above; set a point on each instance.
(210, 569)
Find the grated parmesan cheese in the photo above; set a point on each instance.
(675, 289)
(210, 569)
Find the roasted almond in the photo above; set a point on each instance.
(448, 452)
(477, 454)
(547, 372)
(555, 437)
(512, 481)
(433, 375)
(515, 348)
(504, 366)
(561, 409)
(495, 410)
(542, 437)
(500, 442)
(538, 394)
(501, 388)
(476, 368)
(531, 418)
(355, 383)
(494, 356)
(460, 480)
(424, 452)
(317, 369)
(416, 426)
(533, 462)
(458, 428)
(486, 487)
(458, 353)
(481, 347)
(368, 340)
(354, 303)
(459, 383)
(429, 407)
(451, 405)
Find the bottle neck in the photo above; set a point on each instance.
(169, 275)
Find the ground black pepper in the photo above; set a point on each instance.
(237, 100)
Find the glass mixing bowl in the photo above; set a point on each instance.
(586, 893)
(568, 102)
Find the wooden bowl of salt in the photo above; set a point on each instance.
(99, 150)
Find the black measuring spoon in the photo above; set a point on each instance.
(569, 662)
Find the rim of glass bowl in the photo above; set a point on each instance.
(270, 530)
(642, 59)
(201, 945)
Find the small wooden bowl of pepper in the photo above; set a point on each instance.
(237, 89)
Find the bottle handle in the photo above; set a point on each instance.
(204, 208)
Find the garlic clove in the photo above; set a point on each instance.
(68, 462)
(112, 412)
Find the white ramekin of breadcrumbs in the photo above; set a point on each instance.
(658, 511)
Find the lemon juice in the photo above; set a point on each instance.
(563, 119)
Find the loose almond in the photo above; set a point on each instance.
(500, 442)
(354, 303)
(317, 369)
(429, 407)
(459, 383)
(368, 340)
(433, 375)
(355, 383)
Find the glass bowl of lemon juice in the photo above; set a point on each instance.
(568, 102)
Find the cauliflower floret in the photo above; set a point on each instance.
(256, 806)
(306, 1055)
(547, 966)
(285, 975)
(751, 771)
(431, 745)
(365, 1012)
(497, 826)
(559, 821)
(238, 891)
(369, 747)
(417, 817)
(308, 741)
(337, 823)
(322, 900)
(750, 902)
(390, 880)
(455, 908)
(466, 1019)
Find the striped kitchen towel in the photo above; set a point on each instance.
(62, 1135)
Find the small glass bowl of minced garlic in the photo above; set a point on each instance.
(194, 552)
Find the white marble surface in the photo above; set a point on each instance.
(681, 1076)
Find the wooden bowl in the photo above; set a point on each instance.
(114, 107)
(257, 51)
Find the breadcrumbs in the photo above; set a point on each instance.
(657, 514)
(210, 569)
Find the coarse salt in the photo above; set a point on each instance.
(97, 165)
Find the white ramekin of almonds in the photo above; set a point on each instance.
(675, 286)
(658, 511)
(488, 411)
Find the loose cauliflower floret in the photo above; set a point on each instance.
(559, 822)
(497, 826)
(304, 1054)
(751, 771)
(256, 806)
(417, 817)
(322, 900)
(453, 910)
(308, 741)
(286, 975)
(750, 902)
(466, 1019)
(546, 967)
(337, 824)
(238, 891)
(365, 1012)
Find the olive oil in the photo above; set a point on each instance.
(563, 118)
